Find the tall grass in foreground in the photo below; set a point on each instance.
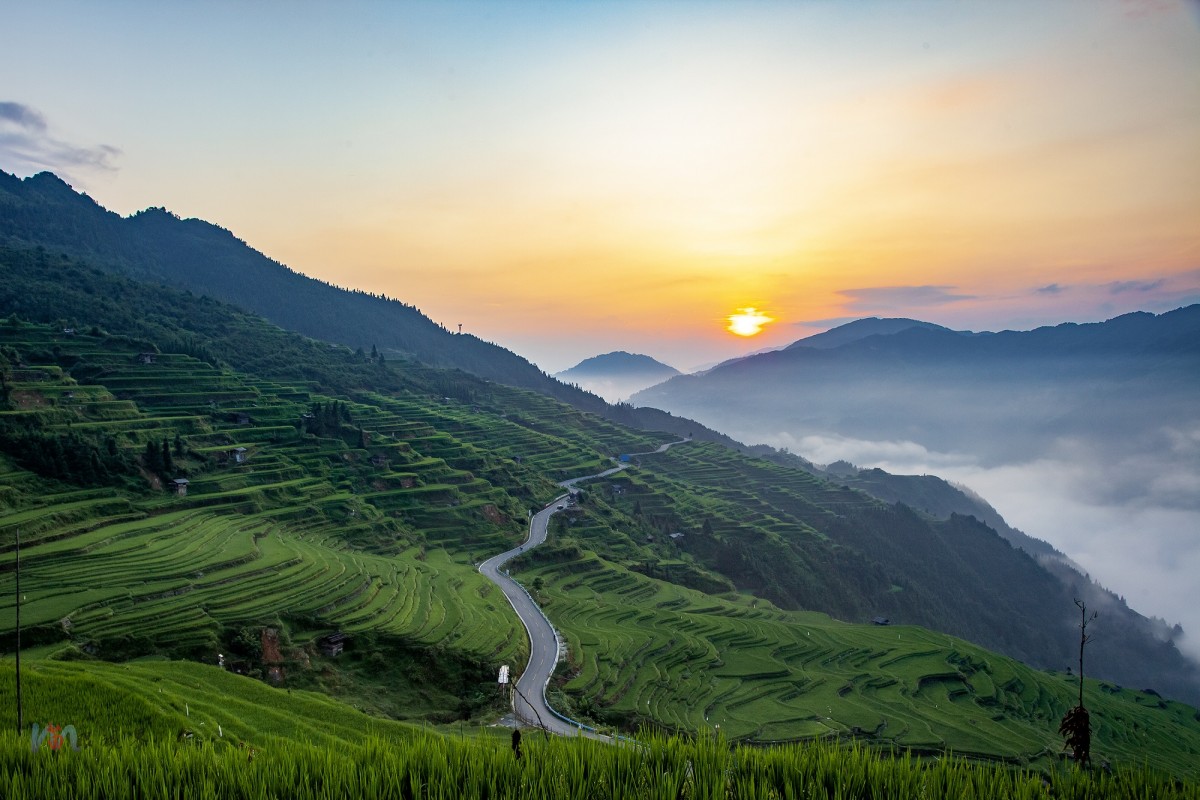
(438, 767)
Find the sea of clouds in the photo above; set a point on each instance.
(1131, 519)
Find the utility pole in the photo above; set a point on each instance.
(20, 720)
(1083, 639)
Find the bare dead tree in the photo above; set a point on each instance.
(1076, 725)
(532, 708)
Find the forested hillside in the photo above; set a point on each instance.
(157, 246)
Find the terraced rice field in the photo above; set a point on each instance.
(176, 577)
(263, 538)
(646, 649)
(374, 525)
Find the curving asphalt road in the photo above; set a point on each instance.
(530, 702)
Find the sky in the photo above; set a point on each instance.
(568, 179)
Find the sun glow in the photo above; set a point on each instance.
(748, 322)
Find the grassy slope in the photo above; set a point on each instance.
(163, 699)
(249, 740)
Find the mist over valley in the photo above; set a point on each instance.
(1086, 436)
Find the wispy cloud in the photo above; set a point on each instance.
(28, 145)
(1151, 8)
(900, 298)
(824, 324)
(1121, 287)
(1052, 288)
(22, 115)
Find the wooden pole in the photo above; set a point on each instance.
(20, 720)
(1084, 619)
(1082, 642)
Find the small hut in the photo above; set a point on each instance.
(333, 644)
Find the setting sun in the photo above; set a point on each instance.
(748, 322)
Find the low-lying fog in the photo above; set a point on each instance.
(1130, 518)
(1085, 436)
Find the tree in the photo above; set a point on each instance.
(152, 457)
(167, 463)
(1076, 725)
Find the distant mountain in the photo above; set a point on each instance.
(861, 329)
(836, 337)
(709, 367)
(1090, 428)
(615, 376)
(619, 364)
(996, 396)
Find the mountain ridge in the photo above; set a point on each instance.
(199, 256)
(861, 329)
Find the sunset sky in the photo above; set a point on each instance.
(567, 179)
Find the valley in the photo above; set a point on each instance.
(191, 482)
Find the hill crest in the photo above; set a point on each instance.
(619, 361)
(861, 329)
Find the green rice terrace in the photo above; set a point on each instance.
(171, 506)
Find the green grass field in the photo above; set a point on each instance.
(183, 730)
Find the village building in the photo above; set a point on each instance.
(333, 644)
